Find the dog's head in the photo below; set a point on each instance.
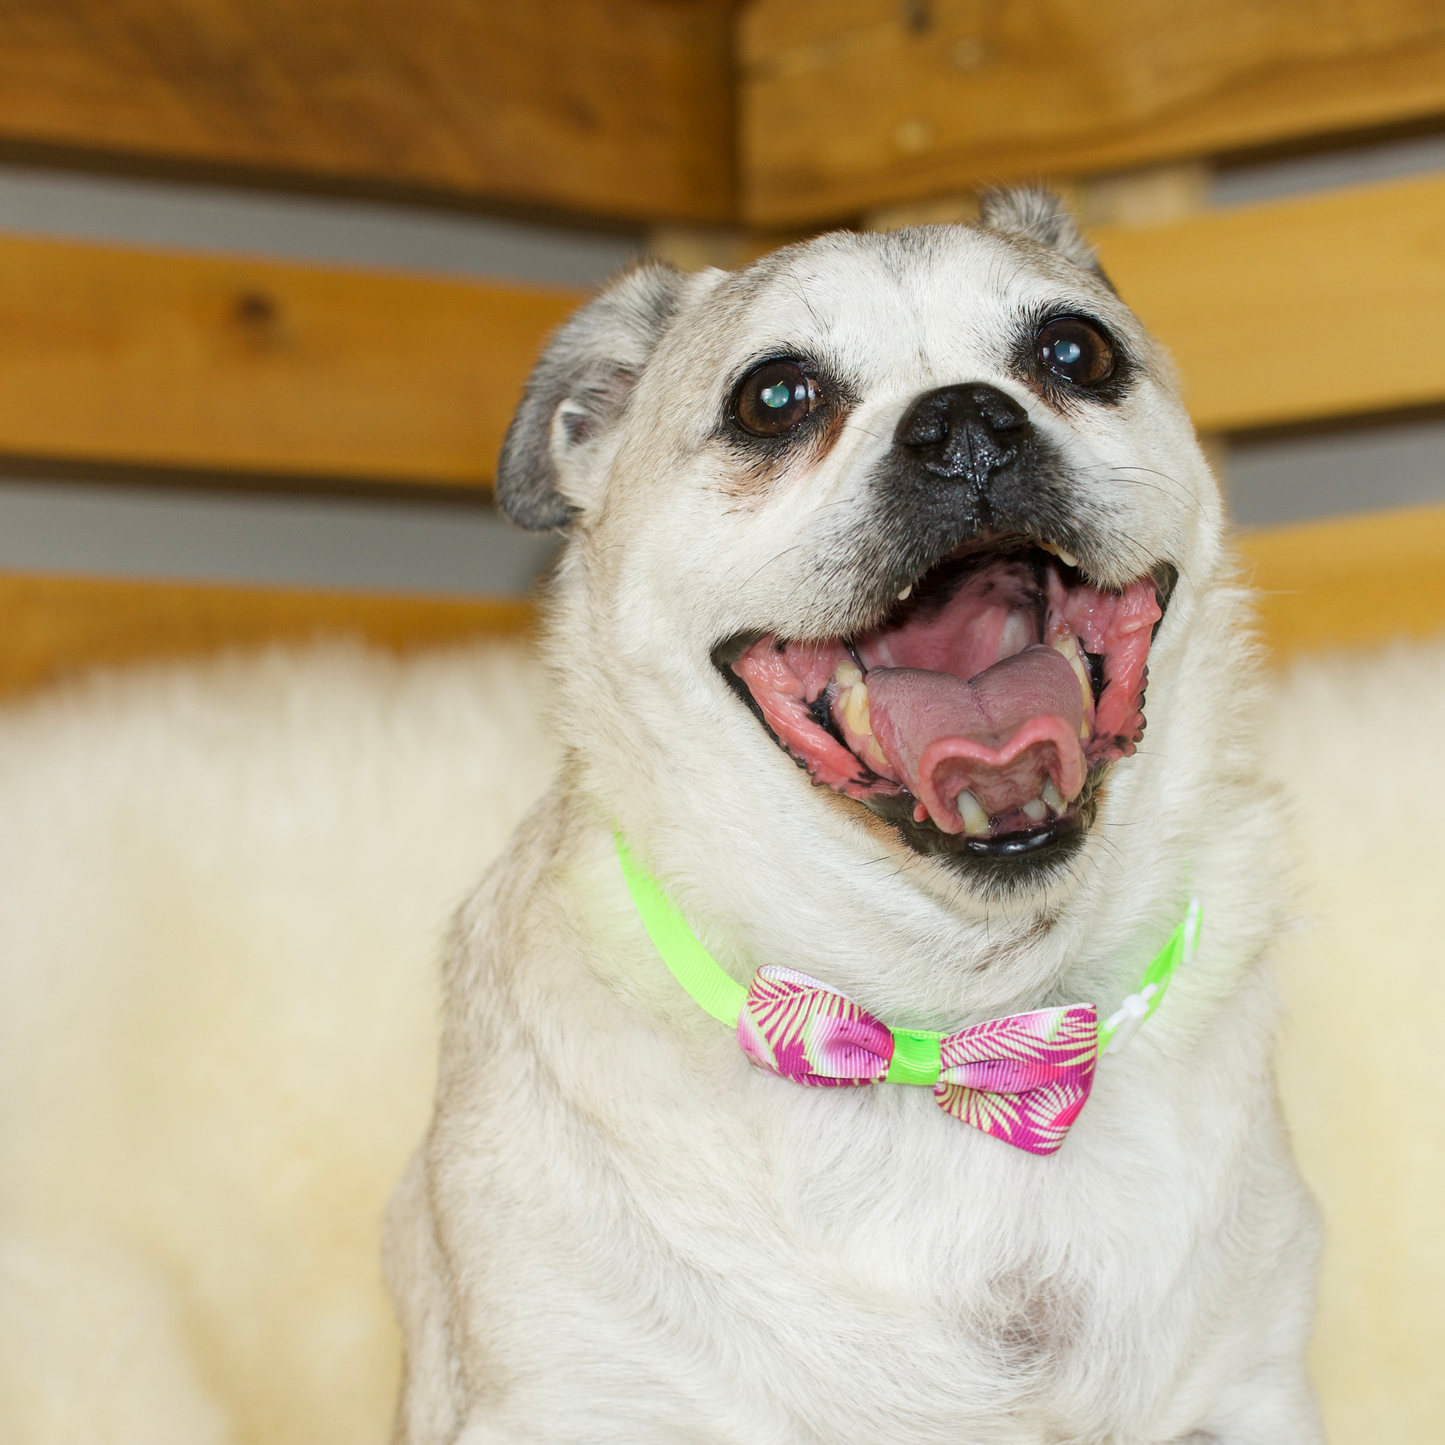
(909, 510)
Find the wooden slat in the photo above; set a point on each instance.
(1296, 310)
(615, 107)
(1287, 312)
(136, 357)
(858, 104)
(57, 626)
(1349, 581)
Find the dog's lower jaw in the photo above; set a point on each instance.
(997, 868)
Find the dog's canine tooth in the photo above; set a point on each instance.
(1069, 649)
(1035, 810)
(975, 820)
(853, 703)
(855, 709)
(906, 593)
(1067, 558)
(1053, 797)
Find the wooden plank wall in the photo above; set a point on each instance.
(858, 104)
(606, 107)
(112, 354)
(1298, 310)
(58, 626)
(141, 357)
(1354, 581)
(325, 376)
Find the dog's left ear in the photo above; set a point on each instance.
(1038, 216)
(578, 388)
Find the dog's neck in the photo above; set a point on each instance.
(908, 953)
(770, 872)
(718, 994)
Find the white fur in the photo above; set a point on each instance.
(222, 892)
(1364, 975)
(616, 1230)
(107, 1339)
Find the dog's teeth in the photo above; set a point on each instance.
(1035, 811)
(853, 704)
(1067, 558)
(1053, 797)
(906, 593)
(975, 820)
(1068, 648)
(855, 709)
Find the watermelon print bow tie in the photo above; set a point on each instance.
(1022, 1079)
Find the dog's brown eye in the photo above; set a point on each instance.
(775, 398)
(1075, 351)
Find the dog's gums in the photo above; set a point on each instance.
(987, 706)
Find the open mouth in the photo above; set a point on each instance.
(983, 713)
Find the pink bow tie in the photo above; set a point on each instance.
(1022, 1079)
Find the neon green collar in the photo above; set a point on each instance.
(715, 991)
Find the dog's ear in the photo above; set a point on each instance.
(576, 390)
(1037, 216)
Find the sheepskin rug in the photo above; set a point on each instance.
(222, 892)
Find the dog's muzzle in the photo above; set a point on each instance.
(980, 714)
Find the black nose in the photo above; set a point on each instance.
(968, 432)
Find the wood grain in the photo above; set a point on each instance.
(55, 627)
(614, 107)
(1281, 313)
(1349, 581)
(858, 104)
(1296, 310)
(138, 357)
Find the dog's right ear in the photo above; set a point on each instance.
(578, 388)
(1040, 216)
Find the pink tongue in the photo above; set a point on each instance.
(1001, 735)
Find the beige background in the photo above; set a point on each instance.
(222, 889)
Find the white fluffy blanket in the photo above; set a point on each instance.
(222, 889)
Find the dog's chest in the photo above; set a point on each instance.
(765, 1254)
(851, 1254)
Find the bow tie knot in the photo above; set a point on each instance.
(1023, 1078)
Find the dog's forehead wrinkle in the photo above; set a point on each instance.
(937, 305)
(835, 280)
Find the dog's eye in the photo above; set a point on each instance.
(1076, 351)
(775, 398)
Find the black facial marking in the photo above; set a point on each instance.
(933, 500)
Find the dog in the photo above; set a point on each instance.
(871, 549)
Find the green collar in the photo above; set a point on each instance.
(715, 991)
